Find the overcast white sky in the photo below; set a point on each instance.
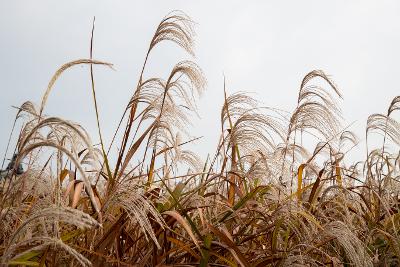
(265, 47)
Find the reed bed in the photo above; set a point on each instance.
(260, 199)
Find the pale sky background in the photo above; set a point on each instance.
(264, 47)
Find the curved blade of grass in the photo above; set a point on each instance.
(300, 180)
(337, 171)
(260, 189)
(61, 70)
(315, 187)
(184, 224)
(206, 251)
(23, 263)
(183, 246)
(230, 244)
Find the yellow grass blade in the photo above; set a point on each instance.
(300, 181)
(184, 224)
(338, 175)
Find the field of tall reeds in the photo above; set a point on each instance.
(260, 199)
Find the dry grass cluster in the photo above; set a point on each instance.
(261, 199)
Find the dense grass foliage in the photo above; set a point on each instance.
(260, 199)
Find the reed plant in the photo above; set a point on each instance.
(261, 199)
